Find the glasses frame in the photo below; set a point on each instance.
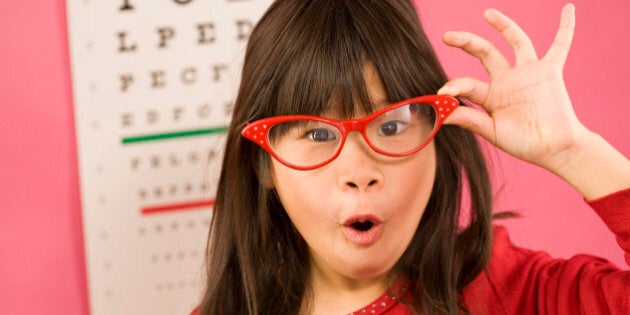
(258, 131)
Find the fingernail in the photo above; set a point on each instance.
(454, 37)
(444, 91)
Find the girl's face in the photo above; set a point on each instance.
(359, 212)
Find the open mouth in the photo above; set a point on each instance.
(362, 226)
(363, 230)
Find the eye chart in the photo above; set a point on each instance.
(154, 82)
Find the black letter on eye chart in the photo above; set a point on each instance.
(126, 119)
(125, 82)
(228, 107)
(203, 111)
(217, 69)
(177, 113)
(157, 79)
(123, 47)
(243, 27)
(189, 76)
(166, 33)
(152, 117)
(207, 34)
(183, 1)
(126, 6)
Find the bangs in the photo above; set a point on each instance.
(327, 75)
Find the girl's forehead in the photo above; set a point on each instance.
(377, 98)
(374, 85)
(359, 110)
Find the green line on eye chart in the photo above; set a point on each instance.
(172, 135)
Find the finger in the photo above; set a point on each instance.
(490, 57)
(562, 42)
(474, 120)
(472, 89)
(517, 38)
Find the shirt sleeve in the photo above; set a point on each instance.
(522, 281)
(614, 210)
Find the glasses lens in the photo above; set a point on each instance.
(403, 128)
(304, 142)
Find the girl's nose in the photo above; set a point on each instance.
(359, 167)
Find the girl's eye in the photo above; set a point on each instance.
(321, 135)
(391, 128)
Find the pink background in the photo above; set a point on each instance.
(42, 268)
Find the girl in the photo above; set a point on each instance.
(312, 217)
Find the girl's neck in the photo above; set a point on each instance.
(331, 293)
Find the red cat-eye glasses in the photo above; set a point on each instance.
(306, 142)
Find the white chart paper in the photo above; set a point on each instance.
(153, 86)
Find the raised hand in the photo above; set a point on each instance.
(526, 110)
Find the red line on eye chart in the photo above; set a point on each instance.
(174, 207)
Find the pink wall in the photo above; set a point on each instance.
(42, 268)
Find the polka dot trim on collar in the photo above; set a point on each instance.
(384, 302)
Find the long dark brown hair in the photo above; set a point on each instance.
(301, 55)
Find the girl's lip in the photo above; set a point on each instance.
(363, 238)
(361, 218)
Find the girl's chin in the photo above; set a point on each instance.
(364, 272)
